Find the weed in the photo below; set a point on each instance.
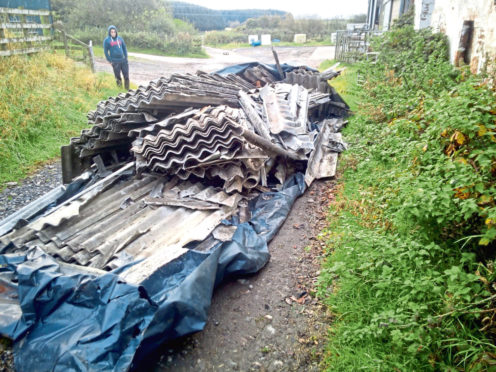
(412, 231)
(266, 350)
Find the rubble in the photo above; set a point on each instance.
(230, 126)
(187, 170)
(198, 162)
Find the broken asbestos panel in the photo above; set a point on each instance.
(100, 228)
(323, 160)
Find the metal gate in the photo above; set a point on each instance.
(352, 46)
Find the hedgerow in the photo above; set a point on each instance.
(409, 271)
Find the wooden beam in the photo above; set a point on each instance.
(77, 41)
(72, 38)
(23, 25)
(6, 53)
(24, 11)
(25, 39)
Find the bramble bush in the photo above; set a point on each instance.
(409, 271)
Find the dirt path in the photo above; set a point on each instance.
(144, 68)
(270, 321)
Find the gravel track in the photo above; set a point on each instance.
(18, 194)
(143, 68)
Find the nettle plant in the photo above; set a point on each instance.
(443, 122)
(423, 160)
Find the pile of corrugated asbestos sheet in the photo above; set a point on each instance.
(211, 126)
(192, 166)
(175, 159)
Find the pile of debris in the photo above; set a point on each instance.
(245, 130)
(217, 140)
(163, 184)
(208, 142)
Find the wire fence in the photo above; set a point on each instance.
(353, 45)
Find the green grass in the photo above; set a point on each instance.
(98, 51)
(43, 102)
(345, 84)
(235, 45)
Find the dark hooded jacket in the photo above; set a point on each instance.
(114, 48)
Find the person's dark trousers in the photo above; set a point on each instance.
(124, 67)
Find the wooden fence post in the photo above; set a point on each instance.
(3, 34)
(91, 56)
(66, 45)
(25, 32)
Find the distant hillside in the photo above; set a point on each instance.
(209, 19)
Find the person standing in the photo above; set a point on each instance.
(115, 51)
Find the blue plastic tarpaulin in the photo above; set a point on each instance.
(74, 320)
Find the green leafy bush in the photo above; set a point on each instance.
(224, 37)
(410, 270)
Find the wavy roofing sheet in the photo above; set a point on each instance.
(128, 220)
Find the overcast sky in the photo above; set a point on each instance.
(320, 8)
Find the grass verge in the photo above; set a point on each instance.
(98, 50)
(44, 99)
(235, 45)
(345, 83)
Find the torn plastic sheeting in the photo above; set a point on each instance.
(246, 253)
(74, 321)
(10, 307)
(77, 321)
(239, 69)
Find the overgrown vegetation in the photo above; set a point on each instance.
(43, 102)
(410, 265)
(346, 83)
(144, 24)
